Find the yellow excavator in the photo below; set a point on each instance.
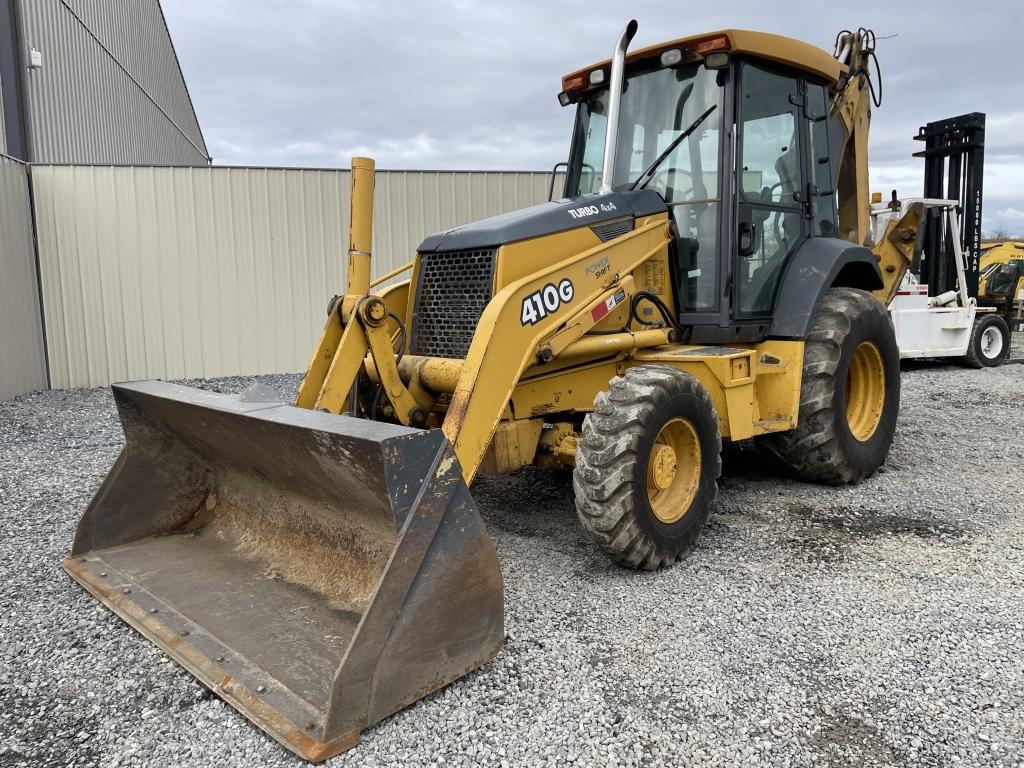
(1002, 272)
(707, 276)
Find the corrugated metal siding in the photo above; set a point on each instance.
(198, 272)
(136, 33)
(3, 126)
(22, 363)
(84, 108)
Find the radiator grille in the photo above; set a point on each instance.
(454, 288)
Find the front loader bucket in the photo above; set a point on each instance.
(317, 572)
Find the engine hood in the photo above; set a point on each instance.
(545, 219)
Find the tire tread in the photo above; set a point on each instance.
(813, 450)
(608, 451)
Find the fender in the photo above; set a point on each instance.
(819, 263)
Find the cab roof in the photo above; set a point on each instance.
(765, 45)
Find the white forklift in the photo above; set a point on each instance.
(950, 324)
(935, 311)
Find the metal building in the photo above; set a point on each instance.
(94, 82)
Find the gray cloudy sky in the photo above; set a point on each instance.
(466, 84)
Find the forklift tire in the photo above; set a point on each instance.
(849, 393)
(647, 466)
(990, 342)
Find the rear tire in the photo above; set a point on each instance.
(647, 466)
(849, 393)
(990, 342)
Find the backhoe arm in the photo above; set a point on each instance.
(850, 120)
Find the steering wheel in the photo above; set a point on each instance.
(780, 236)
(664, 189)
(768, 195)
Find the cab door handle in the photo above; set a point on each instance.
(746, 238)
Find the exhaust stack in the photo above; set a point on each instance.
(360, 233)
(614, 96)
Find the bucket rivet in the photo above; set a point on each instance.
(127, 591)
(220, 659)
(153, 610)
(261, 689)
(103, 574)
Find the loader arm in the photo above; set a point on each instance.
(507, 340)
(504, 345)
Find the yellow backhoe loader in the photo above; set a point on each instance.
(706, 277)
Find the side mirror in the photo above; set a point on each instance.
(746, 242)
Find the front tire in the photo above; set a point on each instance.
(849, 393)
(647, 466)
(990, 342)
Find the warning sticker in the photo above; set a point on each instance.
(607, 305)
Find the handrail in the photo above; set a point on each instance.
(392, 273)
(554, 173)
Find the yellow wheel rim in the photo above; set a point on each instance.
(673, 470)
(865, 391)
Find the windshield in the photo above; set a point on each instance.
(658, 106)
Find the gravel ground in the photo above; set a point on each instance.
(873, 625)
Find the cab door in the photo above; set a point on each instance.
(772, 211)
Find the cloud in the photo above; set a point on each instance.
(472, 84)
(1010, 220)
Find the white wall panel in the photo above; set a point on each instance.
(22, 363)
(200, 272)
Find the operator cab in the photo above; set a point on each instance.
(691, 108)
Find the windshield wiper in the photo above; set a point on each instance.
(668, 150)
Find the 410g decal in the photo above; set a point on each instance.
(542, 303)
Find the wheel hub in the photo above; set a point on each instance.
(865, 391)
(991, 343)
(673, 470)
(663, 466)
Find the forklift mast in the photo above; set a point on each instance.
(954, 161)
